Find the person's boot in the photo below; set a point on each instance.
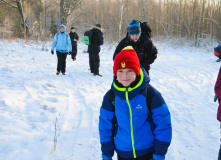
(97, 74)
(57, 73)
(218, 60)
(63, 73)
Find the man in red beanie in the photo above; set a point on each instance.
(128, 124)
(126, 66)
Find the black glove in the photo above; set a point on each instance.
(52, 52)
(69, 53)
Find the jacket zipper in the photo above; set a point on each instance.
(131, 123)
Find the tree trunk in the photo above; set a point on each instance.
(62, 12)
(121, 17)
(23, 18)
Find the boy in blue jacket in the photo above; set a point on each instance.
(62, 42)
(125, 125)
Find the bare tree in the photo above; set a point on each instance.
(67, 7)
(121, 18)
(18, 5)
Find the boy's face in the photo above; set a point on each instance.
(73, 30)
(126, 76)
(62, 29)
(135, 36)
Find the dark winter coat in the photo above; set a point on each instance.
(144, 48)
(127, 128)
(218, 93)
(97, 40)
(73, 36)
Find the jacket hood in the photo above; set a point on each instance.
(132, 92)
(97, 28)
(62, 26)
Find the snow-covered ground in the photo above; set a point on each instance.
(49, 117)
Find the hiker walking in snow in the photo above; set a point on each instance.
(218, 94)
(62, 43)
(74, 38)
(94, 49)
(134, 118)
(138, 37)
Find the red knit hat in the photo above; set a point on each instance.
(127, 59)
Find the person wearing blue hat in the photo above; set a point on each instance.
(62, 43)
(140, 41)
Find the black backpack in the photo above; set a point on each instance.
(145, 29)
(149, 97)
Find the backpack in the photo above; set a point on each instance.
(145, 29)
(58, 36)
(87, 37)
(149, 97)
(217, 51)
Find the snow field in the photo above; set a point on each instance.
(49, 117)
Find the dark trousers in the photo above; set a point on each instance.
(94, 63)
(61, 61)
(148, 156)
(74, 52)
(219, 156)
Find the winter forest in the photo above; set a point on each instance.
(38, 19)
(46, 114)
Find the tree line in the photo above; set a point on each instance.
(192, 19)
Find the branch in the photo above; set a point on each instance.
(212, 21)
(9, 4)
(76, 16)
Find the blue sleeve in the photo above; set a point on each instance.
(107, 123)
(162, 121)
(158, 157)
(69, 44)
(106, 158)
(54, 42)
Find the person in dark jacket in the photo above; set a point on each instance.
(217, 89)
(62, 43)
(143, 46)
(74, 38)
(94, 49)
(126, 127)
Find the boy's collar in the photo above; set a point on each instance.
(118, 86)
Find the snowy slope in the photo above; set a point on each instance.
(49, 117)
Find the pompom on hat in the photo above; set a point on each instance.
(127, 59)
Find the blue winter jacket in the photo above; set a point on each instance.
(61, 41)
(127, 128)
